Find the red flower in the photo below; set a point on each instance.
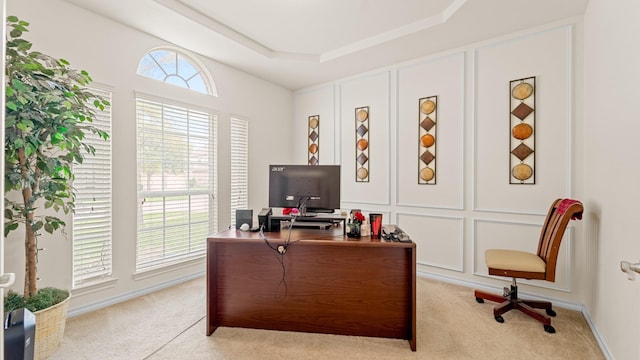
(358, 217)
(288, 211)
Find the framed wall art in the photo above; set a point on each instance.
(362, 144)
(313, 146)
(427, 126)
(522, 158)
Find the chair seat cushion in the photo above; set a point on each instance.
(514, 260)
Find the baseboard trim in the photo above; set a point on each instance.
(596, 334)
(131, 295)
(556, 302)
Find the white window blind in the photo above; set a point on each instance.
(239, 166)
(92, 255)
(176, 182)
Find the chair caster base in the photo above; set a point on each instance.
(479, 300)
(500, 319)
(550, 329)
(550, 312)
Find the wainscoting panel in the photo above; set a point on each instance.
(317, 101)
(439, 239)
(443, 77)
(547, 55)
(493, 234)
(372, 91)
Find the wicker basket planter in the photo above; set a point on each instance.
(50, 324)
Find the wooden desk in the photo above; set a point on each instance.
(326, 283)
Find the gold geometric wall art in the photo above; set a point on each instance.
(362, 144)
(427, 138)
(522, 169)
(314, 140)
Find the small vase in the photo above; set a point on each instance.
(354, 230)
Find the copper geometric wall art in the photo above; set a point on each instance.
(522, 113)
(314, 140)
(427, 126)
(362, 144)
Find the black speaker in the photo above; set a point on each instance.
(244, 216)
(263, 219)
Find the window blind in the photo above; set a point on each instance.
(239, 166)
(176, 182)
(92, 237)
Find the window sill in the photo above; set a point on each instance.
(94, 286)
(168, 268)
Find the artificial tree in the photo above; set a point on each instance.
(48, 112)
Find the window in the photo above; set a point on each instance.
(175, 68)
(177, 204)
(92, 256)
(239, 166)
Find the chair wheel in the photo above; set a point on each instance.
(550, 312)
(479, 300)
(500, 319)
(550, 329)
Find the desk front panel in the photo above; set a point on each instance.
(316, 287)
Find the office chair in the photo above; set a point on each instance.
(525, 265)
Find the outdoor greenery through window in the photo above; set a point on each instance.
(175, 68)
(92, 236)
(239, 166)
(177, 202)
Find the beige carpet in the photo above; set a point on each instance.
(170, 324)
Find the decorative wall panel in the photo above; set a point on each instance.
(317, 102)
(445, 77)
(523, 126)
(427, 126)
(370, 93)
(362, 144)
(314, 140)
(439, 239)
(495, 67)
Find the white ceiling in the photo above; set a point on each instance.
(299, 43)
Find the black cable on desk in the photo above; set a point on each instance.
(279, 252)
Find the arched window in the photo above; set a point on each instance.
(176, 68)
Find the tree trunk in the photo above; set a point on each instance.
(31, 263)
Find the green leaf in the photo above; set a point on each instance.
(18, 143)
(11, 105)
(18, 85)
(10, 227)
(37, 225)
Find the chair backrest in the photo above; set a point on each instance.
(559, 215)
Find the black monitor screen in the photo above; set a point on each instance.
(317, 186)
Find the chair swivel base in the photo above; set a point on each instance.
(510, 301)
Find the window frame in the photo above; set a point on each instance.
(211, 192)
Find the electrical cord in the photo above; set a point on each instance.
(173, 338)
(279, 252)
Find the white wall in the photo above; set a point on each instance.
(472, 206)
(612, 122)
(110, 53)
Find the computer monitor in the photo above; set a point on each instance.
(310, 188)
